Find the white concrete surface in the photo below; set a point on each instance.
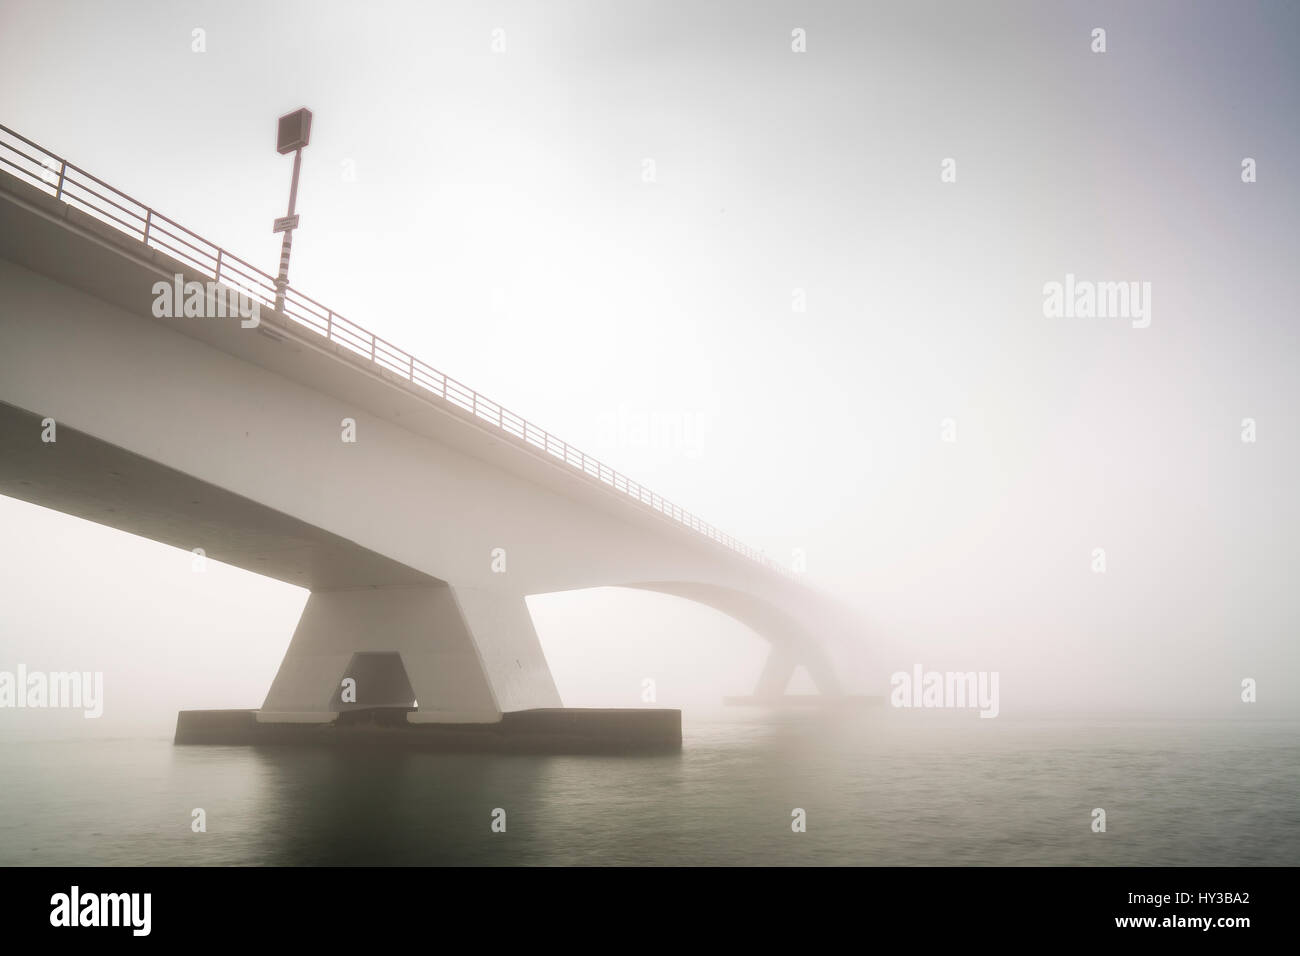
(400, 526)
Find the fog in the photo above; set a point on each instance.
(733, 272)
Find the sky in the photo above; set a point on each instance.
(736, 273)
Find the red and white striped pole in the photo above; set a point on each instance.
(293, 133)
(282, 280)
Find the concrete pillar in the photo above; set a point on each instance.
(466, 658)
(507, 644)
(780, 666)
(777, 671)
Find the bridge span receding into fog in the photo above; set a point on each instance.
(419, 541)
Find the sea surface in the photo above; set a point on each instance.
(876, 787)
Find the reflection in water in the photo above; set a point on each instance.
(879, 787)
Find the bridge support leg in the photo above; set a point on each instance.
(457, 650)
(508, 650)
(780, 667)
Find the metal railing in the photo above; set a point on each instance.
(96, 198)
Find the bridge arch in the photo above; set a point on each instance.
(794, 641)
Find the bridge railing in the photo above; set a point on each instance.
(65, 181)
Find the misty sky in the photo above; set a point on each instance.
(489, 211)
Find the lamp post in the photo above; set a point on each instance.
(293, 133)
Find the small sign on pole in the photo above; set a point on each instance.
(285, 223)
(293, 131)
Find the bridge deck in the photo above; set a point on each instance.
(35, 167)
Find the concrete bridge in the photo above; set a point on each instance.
(418, 541)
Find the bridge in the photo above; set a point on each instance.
(419, 539)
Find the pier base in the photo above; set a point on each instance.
(829, 702)
(545, 731)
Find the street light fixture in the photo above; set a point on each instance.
(293, 133)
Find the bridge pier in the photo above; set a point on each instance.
(781, 664)
(470, 659)
(462, 655)
(779, 668)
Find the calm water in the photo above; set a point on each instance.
(881, 787)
